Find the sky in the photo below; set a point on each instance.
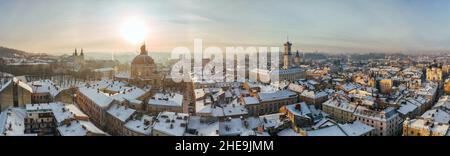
(60, 26)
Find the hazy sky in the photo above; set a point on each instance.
(323, 25)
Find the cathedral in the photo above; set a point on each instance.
(143, 70)
(290, 61)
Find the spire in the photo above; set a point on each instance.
(76, 53)
(297, 54)
(81, 52)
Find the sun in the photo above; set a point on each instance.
(134, 30)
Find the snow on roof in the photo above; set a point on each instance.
(167, 99)
(426, 124)
(288, 132)
(118, 90)
(104, 69)
(199, 93)
(202, 108)
(271, 120)
(443, 102)
(121, 112)
(12, 122)
(47, 86)
(282, 94)
(124, 75)
(60, 112)
(38, 107)
(327, 131)
(232, 127)
(76, 111)
(428, 89)
(202, 128)
(296, 87)
(143, 125)
(234, 108)
(79, 128)
(313, 94)
(407, 108)
(437, 115)
(304, 109)
(250, 100)
(356, 128)
(171, 123)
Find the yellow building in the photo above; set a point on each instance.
(434, 73)
(386, 86)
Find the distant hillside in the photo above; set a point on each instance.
(8, 52)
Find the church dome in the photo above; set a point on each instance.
(142, 60)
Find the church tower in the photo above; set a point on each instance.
(297, 59)
(82, 55)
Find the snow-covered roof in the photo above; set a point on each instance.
(234, 108)
(444, 102)
(143, 125)
(203, 128)
(250, 100)
(44, 107)
(429, 125)
(103, 69)
(121, 112)
(313, 94)
(356, 128)
(124, 75)
(96, 97)
(60, 112)
(271, 120)
(303, 111)
(288, 132)
(407, 108)
(12, 122)
(437, 115)
(104, 92)
(79, 128)
(167, 99)
(47, 86)
(282, 94)
(233, 127)
(327, 131)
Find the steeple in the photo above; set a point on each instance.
(76, 53)
(82, 54)
(287, 47)
(144, 50)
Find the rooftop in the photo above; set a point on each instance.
(143, 125)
